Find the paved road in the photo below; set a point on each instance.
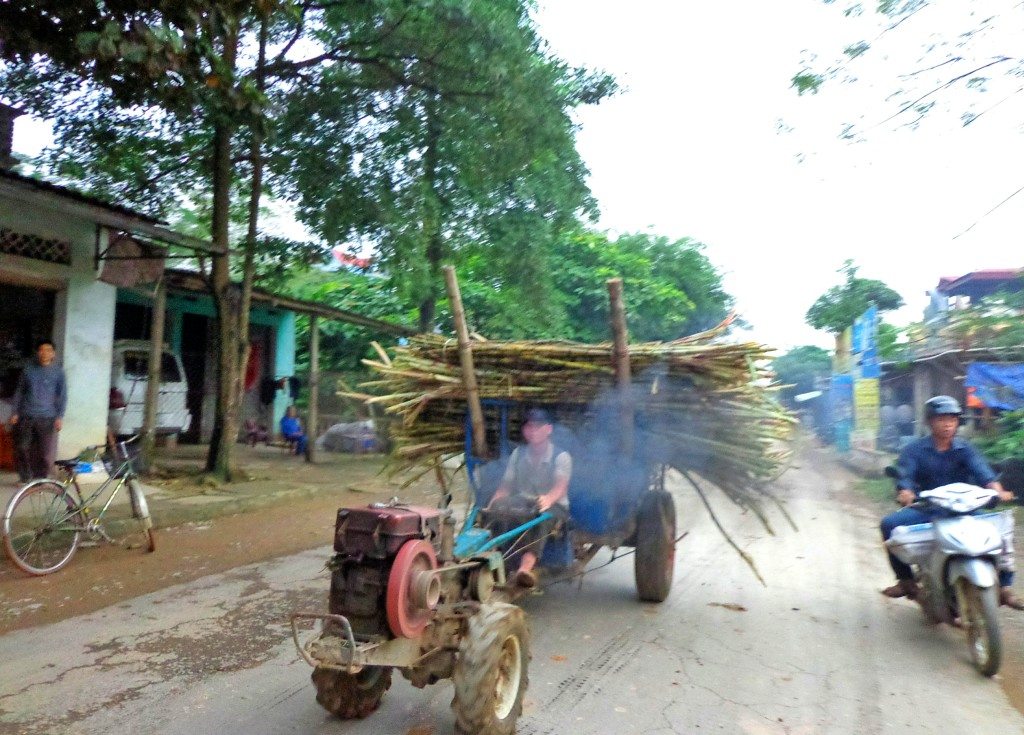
(818, 651)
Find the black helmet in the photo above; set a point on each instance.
(942, 406)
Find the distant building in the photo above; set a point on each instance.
(959, 293)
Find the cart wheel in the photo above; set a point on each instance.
(351, 696)
(655, 546)
(491, 672)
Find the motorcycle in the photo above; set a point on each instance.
(955, 562)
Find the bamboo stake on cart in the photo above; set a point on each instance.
(620, 359)
(476, 414)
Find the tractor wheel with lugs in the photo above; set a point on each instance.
(351, 696)
(655, 546)
(491, 671)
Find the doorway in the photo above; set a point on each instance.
(195, 330)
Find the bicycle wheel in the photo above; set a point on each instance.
(41, 527)
(140, 510)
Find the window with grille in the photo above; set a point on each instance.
(33, 246)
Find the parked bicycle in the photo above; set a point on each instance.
(44, 522)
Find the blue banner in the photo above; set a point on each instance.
(865, 344)
(841, 407)
(997, 385)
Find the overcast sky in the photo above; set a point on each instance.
(708, 140)
(692, 146)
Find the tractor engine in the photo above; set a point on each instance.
(382, 575)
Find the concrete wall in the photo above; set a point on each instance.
(83, 328)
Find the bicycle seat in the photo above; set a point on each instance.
(68, 464)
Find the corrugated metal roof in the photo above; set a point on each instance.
(68, 193)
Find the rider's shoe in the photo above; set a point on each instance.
(1007, 598)
(902, 588)
(526, 578)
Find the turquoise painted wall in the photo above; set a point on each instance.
(282, 322)
(284, 360)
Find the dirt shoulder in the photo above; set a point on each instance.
(282, 507)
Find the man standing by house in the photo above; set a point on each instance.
(39, 403)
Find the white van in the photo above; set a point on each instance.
(128, 381)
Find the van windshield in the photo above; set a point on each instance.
(136, 366)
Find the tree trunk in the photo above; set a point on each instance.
(226, 302)
(156, 356)
(252, 234)
(313, 417)
(432, 220)
(225, 298)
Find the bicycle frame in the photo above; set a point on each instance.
(124, 473)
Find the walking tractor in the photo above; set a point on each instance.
(409, 593)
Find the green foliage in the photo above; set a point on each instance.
(1008, 441)
(807, 82)
(837, 308)
(958, 49)
(671, 290)
(342, 345)
(431, 176)
(800, 368)
(890, 342)
(856, 49)
(994, 321)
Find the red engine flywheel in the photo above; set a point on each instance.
(413, 591)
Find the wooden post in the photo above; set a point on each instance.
(476, 414)
(620, 361)
(314, 388)
(156, 358)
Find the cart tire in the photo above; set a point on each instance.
(490, 674)
(655, 546)
(351, 696)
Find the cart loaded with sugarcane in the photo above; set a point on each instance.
(427, 590)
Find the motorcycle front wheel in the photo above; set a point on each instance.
(979, 609)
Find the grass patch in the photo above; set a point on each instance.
(880, 489)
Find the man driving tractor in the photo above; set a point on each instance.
(536, 480)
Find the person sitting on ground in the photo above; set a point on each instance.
(932, 461)
(536, 480)
(291, 429)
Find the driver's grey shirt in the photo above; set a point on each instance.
(525, 475)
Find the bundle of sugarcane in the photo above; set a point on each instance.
(700, 405)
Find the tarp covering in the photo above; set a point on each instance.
(997, 385)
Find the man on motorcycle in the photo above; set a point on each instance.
(940, 459)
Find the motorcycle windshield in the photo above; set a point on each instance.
(959, 497)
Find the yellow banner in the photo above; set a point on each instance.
(866, 403)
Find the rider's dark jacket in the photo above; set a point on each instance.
(922, 467)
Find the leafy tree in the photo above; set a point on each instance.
(1007, 442)
(890, 342)
(800, 368)
(490, 170)
(672, 290)
(919, 52)
(342, 345)
(839, 307)
(188, 100)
